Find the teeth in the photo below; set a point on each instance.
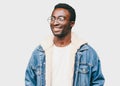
(56, 29)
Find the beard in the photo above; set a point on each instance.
(61, 33)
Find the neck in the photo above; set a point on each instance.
(62, 42)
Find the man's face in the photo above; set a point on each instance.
(60, 22)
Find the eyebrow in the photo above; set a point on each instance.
(59, 16)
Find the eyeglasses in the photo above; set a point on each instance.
(60, 19)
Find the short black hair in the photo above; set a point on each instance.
(69, 8)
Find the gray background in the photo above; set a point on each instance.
(23, 24)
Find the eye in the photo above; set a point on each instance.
(52, 18)
(61, 18)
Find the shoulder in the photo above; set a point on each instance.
(37, 55)
(89, 53)
(37, 50)
(88, 48)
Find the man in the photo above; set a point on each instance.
(64, 59)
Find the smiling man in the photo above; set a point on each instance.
(64, 59)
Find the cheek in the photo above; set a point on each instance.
(51, 26)
(67, 26)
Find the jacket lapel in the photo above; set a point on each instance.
(47, 45)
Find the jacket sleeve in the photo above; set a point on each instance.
(97, 78)
(30, 77)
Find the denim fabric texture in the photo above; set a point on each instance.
(87, 68)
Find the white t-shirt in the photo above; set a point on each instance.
(61, 66)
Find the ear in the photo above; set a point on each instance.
(72, 23)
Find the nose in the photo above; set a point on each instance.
(56, 22)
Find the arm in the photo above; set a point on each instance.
(30, 77)
(97, 78)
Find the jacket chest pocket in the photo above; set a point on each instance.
(39, 75)
(83, 69)
(38, 70)
(83, 76)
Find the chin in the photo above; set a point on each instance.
(56, 33)
(59, 35)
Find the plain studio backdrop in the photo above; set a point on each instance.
(23, 24)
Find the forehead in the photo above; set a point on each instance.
(60, 12)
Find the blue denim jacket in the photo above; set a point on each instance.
(87, 68)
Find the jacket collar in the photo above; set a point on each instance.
(76, 41)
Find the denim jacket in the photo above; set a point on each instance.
(87, 68)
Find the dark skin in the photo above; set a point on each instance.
(61, 30)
